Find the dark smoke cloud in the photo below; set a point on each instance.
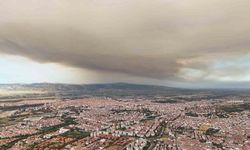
(160, 39)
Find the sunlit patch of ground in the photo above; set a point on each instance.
(19, 92)
(6, 114)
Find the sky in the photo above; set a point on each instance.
(188, 43)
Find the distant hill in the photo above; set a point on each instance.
(109, 89)
(36, 90)
(65, 87)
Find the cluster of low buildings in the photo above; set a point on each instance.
(131, 124)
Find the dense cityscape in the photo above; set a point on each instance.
(137, 123)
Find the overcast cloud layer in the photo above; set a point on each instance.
(187, 40)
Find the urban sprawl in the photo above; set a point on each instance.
(125, 124)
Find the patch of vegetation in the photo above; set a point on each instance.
(76, 133)
(147, 146)
(117, 111)
(218, 145)
(122, 128)
(4, 121)
(211, 131)
(167, 101)
(182, 129)
(32, 146)
(236, 108)
(67, 121)
(191, 114)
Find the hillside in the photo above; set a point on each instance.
(48, 90)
